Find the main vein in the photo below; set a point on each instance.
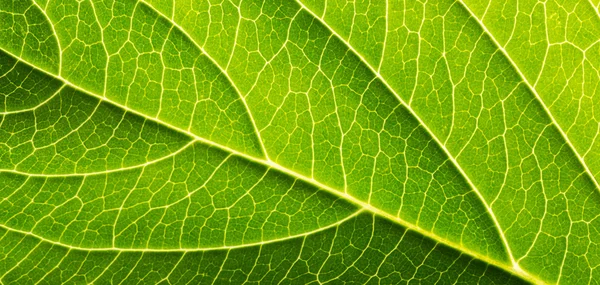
(273, 165)
(269, 163)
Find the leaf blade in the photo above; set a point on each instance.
(322, 113)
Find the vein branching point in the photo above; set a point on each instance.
(299, 142)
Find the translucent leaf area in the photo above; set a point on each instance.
(299, 142)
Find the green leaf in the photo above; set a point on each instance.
(297, 142)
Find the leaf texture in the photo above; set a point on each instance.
(297, 142)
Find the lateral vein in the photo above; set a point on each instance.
(435, 138)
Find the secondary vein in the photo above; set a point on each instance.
(431, 133)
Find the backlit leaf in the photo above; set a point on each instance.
(299, 142)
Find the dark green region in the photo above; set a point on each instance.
(363, 250)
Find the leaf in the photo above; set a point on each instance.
(296, 142)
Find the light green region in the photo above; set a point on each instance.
(555, 46)
(299, 142)
(489, 79)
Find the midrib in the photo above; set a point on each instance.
(272, 165)
(515, 269)
(515, 265)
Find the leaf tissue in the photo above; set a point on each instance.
(299, 142)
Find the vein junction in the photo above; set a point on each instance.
(223, 132)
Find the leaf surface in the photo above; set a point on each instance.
(298, 142)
